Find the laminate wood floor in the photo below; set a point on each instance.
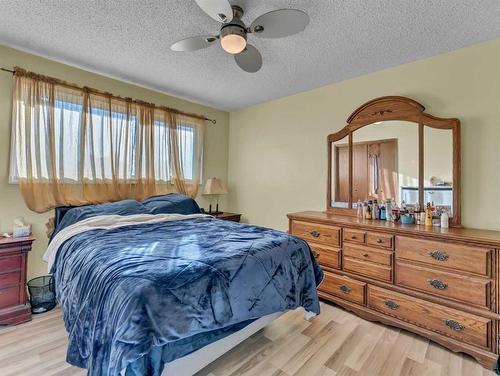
(336, 343)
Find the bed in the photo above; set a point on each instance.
(156, 287)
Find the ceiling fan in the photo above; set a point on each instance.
(233, 32)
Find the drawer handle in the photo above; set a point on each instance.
(353, 237)
(454, 325)
(365, 255)
(314, 233)
(315, 254)
(439, 255)
(390, 304)
(379, 241)
(344, 289)
(437, 284)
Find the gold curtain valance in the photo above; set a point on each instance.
(20, 72)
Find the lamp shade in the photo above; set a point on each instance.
(215, 186)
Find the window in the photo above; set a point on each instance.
(112, 146)
(72, 146)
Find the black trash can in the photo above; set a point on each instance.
(42, 294)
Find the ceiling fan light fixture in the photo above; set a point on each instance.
(278, 23)
(233, 39)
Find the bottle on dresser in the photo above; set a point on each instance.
(445, 219)
(376, 210)
(359, 207)
(369, 208)
(383, 213)
(395, 212)
(388, 209)
(428, 215)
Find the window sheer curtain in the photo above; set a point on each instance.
(74, 146)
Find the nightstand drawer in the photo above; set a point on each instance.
(9, 296)
(9, 279)
(10, 263)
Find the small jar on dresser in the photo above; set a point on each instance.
(14, 308)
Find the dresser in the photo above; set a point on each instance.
(14, 308)
(440, 283)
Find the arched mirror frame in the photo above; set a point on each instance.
(402, 109)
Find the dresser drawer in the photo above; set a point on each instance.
(474, 291)
(450, 322)
(343, 287)
(326, 256)
(9, 279)
(317, 233)
(380, 240)
(378, 256)
(10, 263)
(449, 255)
(354, 236)
(368, 269)
(9, 297)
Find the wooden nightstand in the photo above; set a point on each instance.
(229, 216)
(14, 308)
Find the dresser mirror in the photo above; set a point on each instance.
(391, 149)
(438, 167)
(340, 173)
(385, 160)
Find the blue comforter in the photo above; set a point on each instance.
(138, 296)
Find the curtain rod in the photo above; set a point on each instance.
(213, 121)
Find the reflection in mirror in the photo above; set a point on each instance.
(340, 173)
(385, 162)
(438, 168)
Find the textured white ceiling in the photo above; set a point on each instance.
(130, 39)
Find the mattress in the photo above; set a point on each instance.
(194, 362)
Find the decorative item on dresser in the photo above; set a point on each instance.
(13, 298)
(441, 283)
(228, 216)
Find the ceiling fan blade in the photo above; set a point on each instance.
(194, 43)
(219, 10)
(249, 59)
(280, 23)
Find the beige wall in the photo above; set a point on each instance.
(11, 203)
(277, 150)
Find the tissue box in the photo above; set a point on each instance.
(21, 231)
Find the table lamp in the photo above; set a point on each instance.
(214, 187)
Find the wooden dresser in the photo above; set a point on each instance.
(14, 308)
(440, 283)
